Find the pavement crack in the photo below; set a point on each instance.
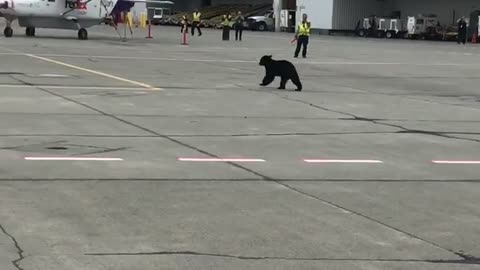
(209, 179)
(29, 145)
(314, 105)
(176, 141)
(377, 122)
(104, 151)
(278, 134)
(346, 210)
(259, 258)
(468, 259)
(17, 246)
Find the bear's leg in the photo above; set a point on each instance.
(267, 80)
(296, 81)
(283, 83)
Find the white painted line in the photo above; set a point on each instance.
(71, 159)
(467, 162)
(221, 159)
(249, 61)
(342, 161)
(94, 72)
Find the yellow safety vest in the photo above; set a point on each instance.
(227, 19)
(196, 16)
(304, 29)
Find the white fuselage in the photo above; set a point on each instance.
(59, 14)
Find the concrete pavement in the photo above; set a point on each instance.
(211, 170)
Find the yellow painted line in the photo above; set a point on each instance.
(94, 72)
(72, 87)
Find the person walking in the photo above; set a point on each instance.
(239, 21)
(462, 31)
(227, 18)
(196, 22)
(302, 36)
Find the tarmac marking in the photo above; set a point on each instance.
(342, 161)
(221, 159)
(244, 61)
(460, 162)
(71, 87)
(94, 72)
(71, 159)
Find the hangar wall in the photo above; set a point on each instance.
(186, 5)
(444, 9)
(189, 5)
(249, 2)
(346, 13)
(319, 12)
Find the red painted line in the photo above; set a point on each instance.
(470, 162)
(341, 161)
(221, 159)
(71, 159)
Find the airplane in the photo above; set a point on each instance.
(63, 14)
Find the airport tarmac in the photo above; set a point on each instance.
(148, 154)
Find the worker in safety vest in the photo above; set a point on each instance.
(226, 19)
(302, 35)
(196, 22)
(184, 23)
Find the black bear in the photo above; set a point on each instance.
(281, 68)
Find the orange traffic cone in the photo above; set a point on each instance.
(184, 34)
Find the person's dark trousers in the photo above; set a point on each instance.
(226, 33)
(302, 41)
(238, 32)
(196, 25)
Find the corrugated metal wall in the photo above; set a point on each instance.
(346, 13)
(446, 10)
(319, 12)
(188, 5)
(250, 2)
(184, 5)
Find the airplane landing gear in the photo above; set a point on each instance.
(8, 32)
(30, 31)
(82, 34)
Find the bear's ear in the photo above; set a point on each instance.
(269, 56)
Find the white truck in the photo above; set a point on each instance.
(262, 23)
